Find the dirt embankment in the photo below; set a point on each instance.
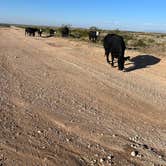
(61, 104)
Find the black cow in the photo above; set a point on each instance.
(65, 32)
(51, 32)
(30, 31)
(40, 31)
(115, 45)
(93, 35)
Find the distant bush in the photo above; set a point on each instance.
(150, 41)
(139, 43)
(163, 35)
(4, 25)
(139, 40)
(46, 30)
(128, 37)
(79, 33)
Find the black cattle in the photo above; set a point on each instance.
(65, 32)
(115, 45)
(40, 31)
(93, 35)
(30, 31)
(51, 32)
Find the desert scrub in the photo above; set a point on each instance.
(150, 41)
(79, 33)
(140, 43)
(4, 25)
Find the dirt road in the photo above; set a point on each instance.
(61, 104)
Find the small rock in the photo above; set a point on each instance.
(97, 145)
(109, 157)
(89, 146)
(114, 135)
(134, 153)
(1, 157)
(145, 146)
(139, 155)
(160, 157)
(19, 133)
(67, 140)
(101, 160)
(39, 132)
(133, 146)
(96, 155)
(50, 129)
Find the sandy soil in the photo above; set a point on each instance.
(62, 105)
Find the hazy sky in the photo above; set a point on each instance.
(139, 15)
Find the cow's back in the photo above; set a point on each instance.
(114, 43)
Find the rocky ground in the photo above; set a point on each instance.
(61, 104)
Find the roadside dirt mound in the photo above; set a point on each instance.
(61, 104)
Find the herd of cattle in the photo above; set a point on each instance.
(32, 31)
(65, 32)
(112, 43)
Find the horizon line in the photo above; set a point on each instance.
(86, 27)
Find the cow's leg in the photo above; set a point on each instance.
(112, 57)
(95, 39)
(26, 33)
(107, 56)
(121, 61)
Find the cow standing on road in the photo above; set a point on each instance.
(93, 35)
(30, 31)
(51, 32)
(65, 31)
(40, 32)
(115, 45)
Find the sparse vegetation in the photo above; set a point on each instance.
(139, 43)
(137, 40)
(4, 25)
(79, 34)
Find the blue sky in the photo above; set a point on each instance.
(137, 15)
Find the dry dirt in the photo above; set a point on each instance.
(62, 105)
